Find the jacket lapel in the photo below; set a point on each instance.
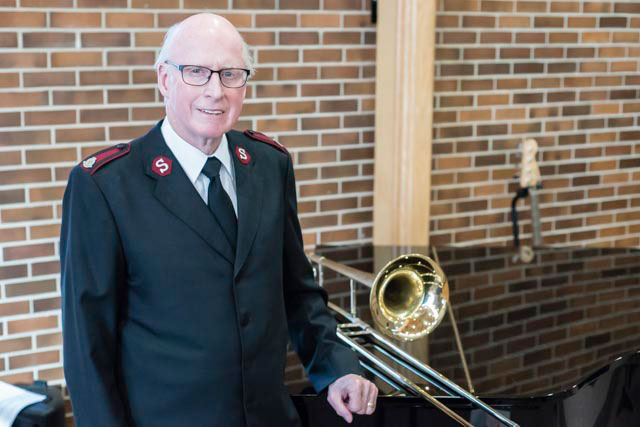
(249, 194)
(179, 196)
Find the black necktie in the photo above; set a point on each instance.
(219, 203)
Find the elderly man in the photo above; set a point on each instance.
(183, 270)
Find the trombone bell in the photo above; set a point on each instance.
(409, 297)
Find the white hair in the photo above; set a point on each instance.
(163, 55)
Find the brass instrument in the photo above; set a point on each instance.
(408, 299)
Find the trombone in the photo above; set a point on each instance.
(408, 299)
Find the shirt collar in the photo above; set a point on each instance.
(190, 158)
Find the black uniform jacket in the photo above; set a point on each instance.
(163, 324)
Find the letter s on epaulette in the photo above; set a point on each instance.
(264, 138)
(94, 162)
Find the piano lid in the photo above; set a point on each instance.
(527, 329)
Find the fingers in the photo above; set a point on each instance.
(372, 399)
(357, 395)
(352, 394)
(365, 394)
(334, 397)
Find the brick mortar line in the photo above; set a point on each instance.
(540, 14)
(182, 10)
(551, 203)
(330, 213)
(556, 262)
(529, 77)
(147, 67)
(538, 30)
(112, 105)
(514, 75)
(537, 334)
(441, 32)
(32, 277)
(535, 91)
(334, 148)
(565, 46)
(255, 99)
(30, 297)
(359, 240)
(9, 371)
(10, 225)
(551, 232)
(496, 108)
(505, 242)
(89, 125)
(499, 196)
(27, 167)
(520, 353)
(31, 259)
(18, 244)
(23, 166)
(554, 314)
(531, 91)
(29, 369)
(339, 180)
(552, 133)
(31, 351)
(511, 136)
(29, 316)
(543, 149)
(338, 227)
(326, 131)
(358, 177)
(565, 231)
(81, 107)
(525, 221)
(323, 197)
(507, 167)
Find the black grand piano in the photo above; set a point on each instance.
(551, 342)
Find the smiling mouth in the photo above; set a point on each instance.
(211, 112)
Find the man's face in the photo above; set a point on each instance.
(202, 114)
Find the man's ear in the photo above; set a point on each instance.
(163, 79)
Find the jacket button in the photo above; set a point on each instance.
(244, 320)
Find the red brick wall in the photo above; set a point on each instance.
(530, 328)
(563, 72)
(77, 75)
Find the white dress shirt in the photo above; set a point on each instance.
(192, 161)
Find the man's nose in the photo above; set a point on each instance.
(214, 86)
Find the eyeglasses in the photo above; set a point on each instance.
(195, 75)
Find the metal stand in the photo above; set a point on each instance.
(454, 324)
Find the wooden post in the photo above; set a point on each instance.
(404, 107)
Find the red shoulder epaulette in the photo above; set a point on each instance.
(94, 162)
(264, 138)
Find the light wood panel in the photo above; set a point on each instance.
(404, 94)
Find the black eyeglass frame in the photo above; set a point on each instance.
(181, 69)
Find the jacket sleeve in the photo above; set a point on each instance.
(311, 326)
(93, 273)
